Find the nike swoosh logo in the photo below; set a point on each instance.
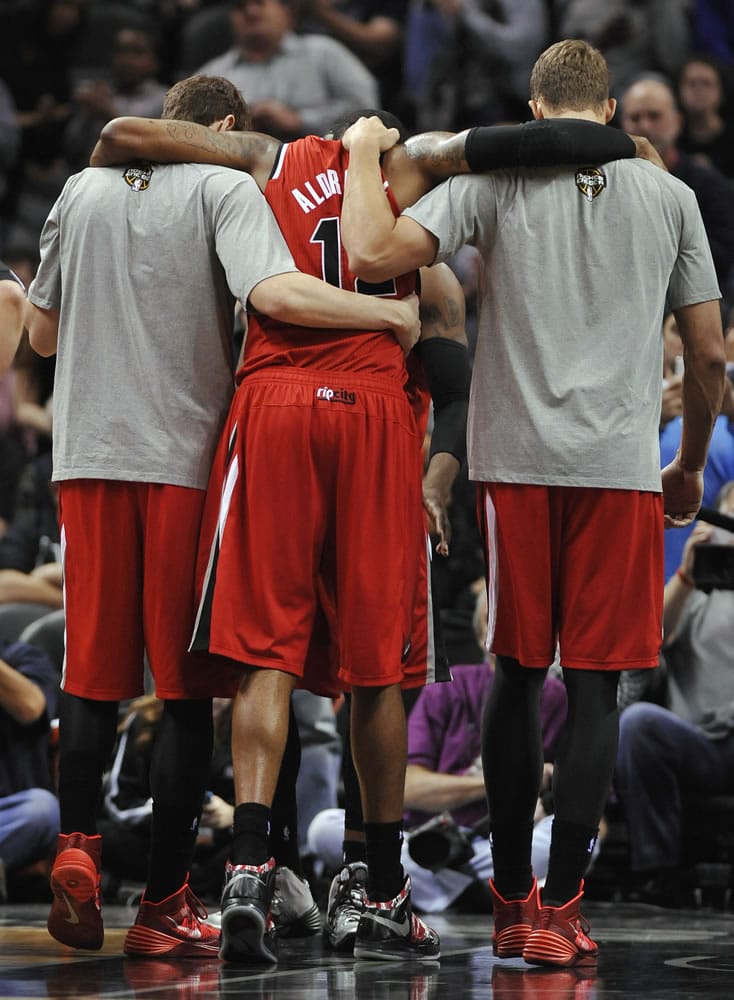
(73, 917)
(403, 930)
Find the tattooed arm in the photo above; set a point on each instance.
(166, 141)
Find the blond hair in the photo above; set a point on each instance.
(570, 75)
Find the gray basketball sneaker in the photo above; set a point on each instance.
(391, 930)
(345, 906)
(295, 914)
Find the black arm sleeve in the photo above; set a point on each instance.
(549, 142)
(448, 373)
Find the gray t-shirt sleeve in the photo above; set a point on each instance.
(45, 289)
(248, 241)
(462, 210)
(694, 276)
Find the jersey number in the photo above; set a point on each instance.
(328, 234)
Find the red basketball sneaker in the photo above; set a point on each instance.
(176, 927)
(560, 937)
(513, 921)
(75, 918)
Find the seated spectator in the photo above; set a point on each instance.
(636, 36)
(480, 71)
(704, 95)
(295, 85)
(30, 553)
(685, 746)
(372, 29)
(444, 775)
(29, 810)
(132, 90)
(719, 467)
(649, 108)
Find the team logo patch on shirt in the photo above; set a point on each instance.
(138, 178)
(590, 181)
(336, 395)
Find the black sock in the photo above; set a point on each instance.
(250, 834)
(354, 850)
(284, 808)
(570, 853)
(385, 876)
(283, 846)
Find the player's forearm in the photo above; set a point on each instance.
(367, 220)
(306, 301)
(43, 329)
(549, 142)
(125, 139)
(443, 468)
(703, 379)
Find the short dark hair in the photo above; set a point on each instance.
(388, 119)
(206, 99)
(570, 74)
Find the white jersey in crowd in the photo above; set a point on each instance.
(576, 267)
(140, 263)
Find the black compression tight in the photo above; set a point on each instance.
(512, 755)
(587, 749)
(179, 772)
(512, 759)
(87, 731)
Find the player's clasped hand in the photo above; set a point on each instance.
(371, 129)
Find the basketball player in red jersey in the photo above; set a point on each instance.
(318, 480)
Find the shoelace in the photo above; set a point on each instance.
(196, 906)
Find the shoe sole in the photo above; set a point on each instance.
(244, 937)
(548, 948)
(367, 951)
(75, 875)
(344, 943)
(74, 880)
(145, 942)
(510, 943)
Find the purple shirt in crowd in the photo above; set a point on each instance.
(444, 728)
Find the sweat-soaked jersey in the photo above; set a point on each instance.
(305, 192)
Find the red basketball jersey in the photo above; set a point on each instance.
(305, 192)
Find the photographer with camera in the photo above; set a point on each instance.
(686, 745)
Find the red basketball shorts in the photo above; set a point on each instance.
(575, 567)
(425, 662)
(129, 552)
(311, 520)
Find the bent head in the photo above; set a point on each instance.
(205, 100)
(571, 77)
(389, 120)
